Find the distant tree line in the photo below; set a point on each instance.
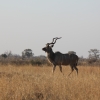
(29, 58)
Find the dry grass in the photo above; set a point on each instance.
(38, 83)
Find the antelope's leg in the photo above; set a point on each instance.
(71, 69)
(76, 69)
(54, 67)
(60, 68)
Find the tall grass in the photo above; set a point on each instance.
(38, 83)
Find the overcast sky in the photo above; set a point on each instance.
(33, 23)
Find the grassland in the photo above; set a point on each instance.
(38, 83)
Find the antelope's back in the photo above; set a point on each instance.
(65, 59)
(62, 59)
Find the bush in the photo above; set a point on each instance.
(40, 62)
(20, 62)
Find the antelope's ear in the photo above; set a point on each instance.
(51, 45)
(47, 45)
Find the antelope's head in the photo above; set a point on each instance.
(49, 46)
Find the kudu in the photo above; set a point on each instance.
(59, 59)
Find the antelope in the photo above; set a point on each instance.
(59, 59)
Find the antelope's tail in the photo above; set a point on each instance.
(77, 61)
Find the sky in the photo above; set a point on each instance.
(30, 24)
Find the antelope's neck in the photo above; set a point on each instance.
(51, 56)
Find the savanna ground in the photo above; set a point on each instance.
(38, 83)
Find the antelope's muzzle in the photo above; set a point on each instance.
(44, 49)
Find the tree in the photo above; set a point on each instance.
(27, 53)
(8, 53)
(71, 52)
(94, 54)
(4, 55)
